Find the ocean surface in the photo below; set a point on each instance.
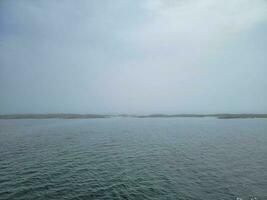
(130, 158)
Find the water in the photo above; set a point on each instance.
(127, 158)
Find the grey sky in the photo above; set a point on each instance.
(124, 56)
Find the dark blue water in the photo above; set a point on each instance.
(127, 158)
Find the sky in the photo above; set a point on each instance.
(125, 56)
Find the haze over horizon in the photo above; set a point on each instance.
(143, 56)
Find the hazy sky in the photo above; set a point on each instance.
(133, 56)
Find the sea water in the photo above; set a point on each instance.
(132, 158)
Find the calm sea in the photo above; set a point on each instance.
(129, 158)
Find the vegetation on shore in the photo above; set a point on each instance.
(51, 116)
(94, 116)
(219, 116)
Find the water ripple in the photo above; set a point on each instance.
(183, 159)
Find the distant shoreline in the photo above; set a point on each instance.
(96, 116)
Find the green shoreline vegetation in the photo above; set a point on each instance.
(95, 116)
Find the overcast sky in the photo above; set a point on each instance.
(133, 56)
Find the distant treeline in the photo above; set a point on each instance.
(219, 116)
(51, 116)
(93, 116)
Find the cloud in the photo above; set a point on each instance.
(132, 56)
(195, 24)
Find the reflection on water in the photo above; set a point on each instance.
(127, 158)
